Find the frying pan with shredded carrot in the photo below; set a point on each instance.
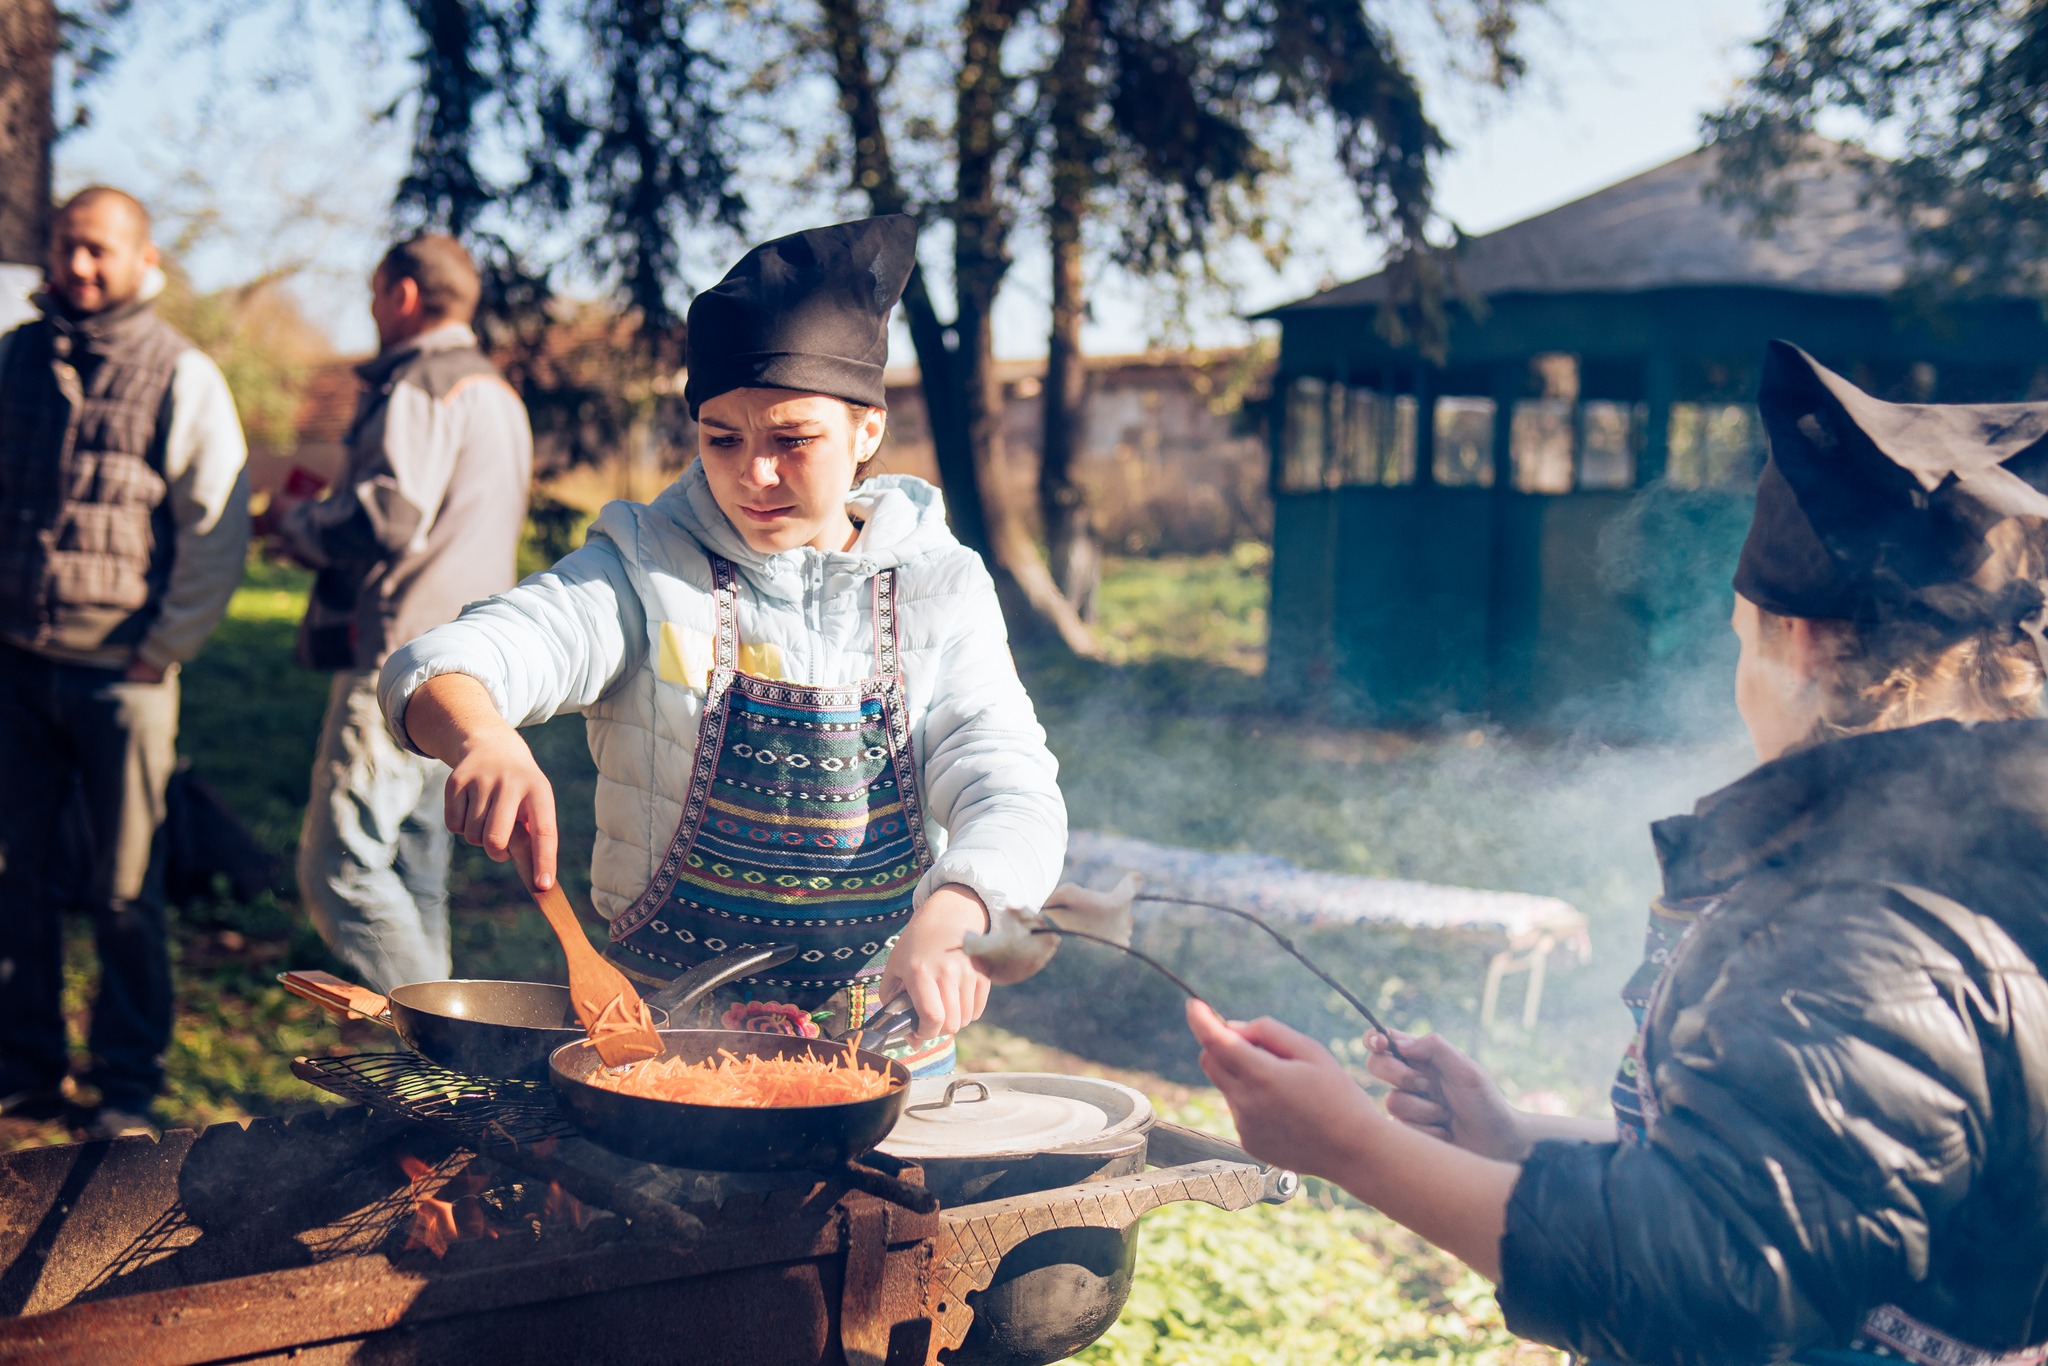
(752, 1083)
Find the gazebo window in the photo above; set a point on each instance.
(1540, 440)
(1714, 445)
(1397, 463)
(1304, 436)
(1464, 442)
(1372, 437)
(1612, 434)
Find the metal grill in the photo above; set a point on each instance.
(482, 1109)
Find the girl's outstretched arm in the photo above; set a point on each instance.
(1297, 1107)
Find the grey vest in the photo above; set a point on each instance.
(86, 538)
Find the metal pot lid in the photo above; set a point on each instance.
(1012, 1114)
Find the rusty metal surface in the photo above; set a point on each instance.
(83, 1221)
(355, 1297)
(975, 1237)
(288, 1236)
(238, 1241)
(885, 1287)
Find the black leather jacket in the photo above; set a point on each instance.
(1849, 1055)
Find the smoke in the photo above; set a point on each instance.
(1185, 756)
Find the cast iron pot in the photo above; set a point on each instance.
(1059, 1290)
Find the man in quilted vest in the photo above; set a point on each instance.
(123, 525)
(424, 519)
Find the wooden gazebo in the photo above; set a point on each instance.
(1549, 517)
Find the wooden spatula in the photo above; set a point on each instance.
(606, 1005)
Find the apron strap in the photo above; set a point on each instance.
(726, 641)
(726, 633)
(885, 623)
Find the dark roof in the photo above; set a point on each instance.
(1658, 230)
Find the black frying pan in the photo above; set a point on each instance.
(506, 1029)
(724, 1137)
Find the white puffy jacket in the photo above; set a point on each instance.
(621, 631)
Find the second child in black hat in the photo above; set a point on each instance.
(1827, 1143)
(807, 725)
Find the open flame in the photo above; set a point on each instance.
(444, 1217)
(447, 1209)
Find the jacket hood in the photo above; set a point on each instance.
(904, 520)
(1911, 805)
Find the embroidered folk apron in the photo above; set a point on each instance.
(803, 824)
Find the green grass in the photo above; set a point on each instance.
(250, 721)
(1188, 607)
(1320, 1279)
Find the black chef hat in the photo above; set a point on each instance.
(1878, 512)
(809, 311)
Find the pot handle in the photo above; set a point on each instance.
(326, 990)
(1175, 1145)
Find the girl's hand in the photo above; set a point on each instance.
(949, 990)
(496, 788)
(1294, 1105)
(1446, 1095)
(494, 785)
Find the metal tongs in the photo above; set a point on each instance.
(895, 1020)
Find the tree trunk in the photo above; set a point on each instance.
(963, 402)
(28, 49)
(980, 260)
(1076, 559)
(874, 170)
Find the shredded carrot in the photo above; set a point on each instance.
(617, 1020)
(614, 1019)
(756, 1083)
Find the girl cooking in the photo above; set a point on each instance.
(798, 691)
(1830, 1137)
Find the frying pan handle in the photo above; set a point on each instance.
(713, 973)
(1171, 1145)
(894, 1189)
(343, 998)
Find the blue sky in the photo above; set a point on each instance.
(272, 173)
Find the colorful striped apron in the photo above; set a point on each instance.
(803, 824)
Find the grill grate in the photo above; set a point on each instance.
(485, 1110)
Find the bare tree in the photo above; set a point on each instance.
(28, 52)
(1164, 124)
(1070, 536)
(956, 362)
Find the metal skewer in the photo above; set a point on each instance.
(1147, 959)
(1288, 944)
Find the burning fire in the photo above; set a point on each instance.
(448, 1210)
